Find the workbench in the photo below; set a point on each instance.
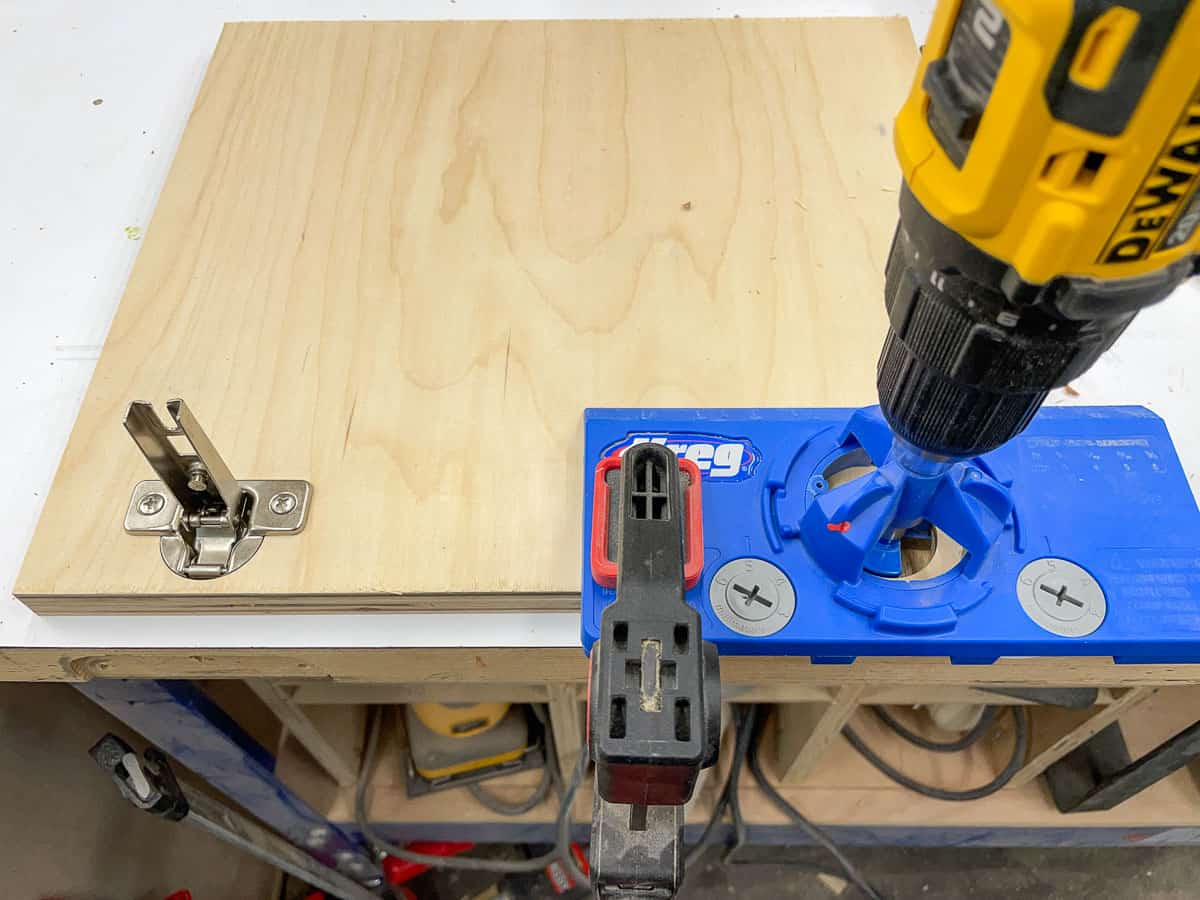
(99, 99)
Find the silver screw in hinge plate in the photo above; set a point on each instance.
(209, 523)
(151, 503)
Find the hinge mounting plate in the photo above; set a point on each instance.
(208, 522)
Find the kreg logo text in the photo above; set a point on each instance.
(717, 457)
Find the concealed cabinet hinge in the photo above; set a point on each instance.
(209, 522)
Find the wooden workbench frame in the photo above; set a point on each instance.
(326, 711)
(809, 721)
(745, 678)
(818, 699)
(1024, 806)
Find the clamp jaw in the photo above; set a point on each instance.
(655, 698)
(147, 783)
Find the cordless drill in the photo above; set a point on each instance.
(1051, 153)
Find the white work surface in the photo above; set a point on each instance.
(95, 97)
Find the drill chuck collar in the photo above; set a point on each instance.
(972, 349)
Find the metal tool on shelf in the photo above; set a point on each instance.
(149, 784)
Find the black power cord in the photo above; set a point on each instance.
(813, 831)
(981, 727)
(749, 731)
(735, 771)
(1020, 747)
(744, 724)
(487, 799)
(550, 774)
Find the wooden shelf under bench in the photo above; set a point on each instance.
(841, 791)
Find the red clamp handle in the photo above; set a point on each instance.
(604, 568)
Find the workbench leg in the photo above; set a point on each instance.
(179, 719)
(343, 770)
(804, 731)
(566, 721)
(1081, 733)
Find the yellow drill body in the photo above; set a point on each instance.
(1051, 157)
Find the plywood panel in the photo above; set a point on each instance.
(399, 259)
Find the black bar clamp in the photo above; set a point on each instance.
(655, 697)
(1100, 773)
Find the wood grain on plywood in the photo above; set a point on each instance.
(399, 259)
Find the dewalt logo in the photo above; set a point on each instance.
(1166, 209)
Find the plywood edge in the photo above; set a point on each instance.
(45, 604)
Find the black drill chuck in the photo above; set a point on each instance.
(972, 350)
